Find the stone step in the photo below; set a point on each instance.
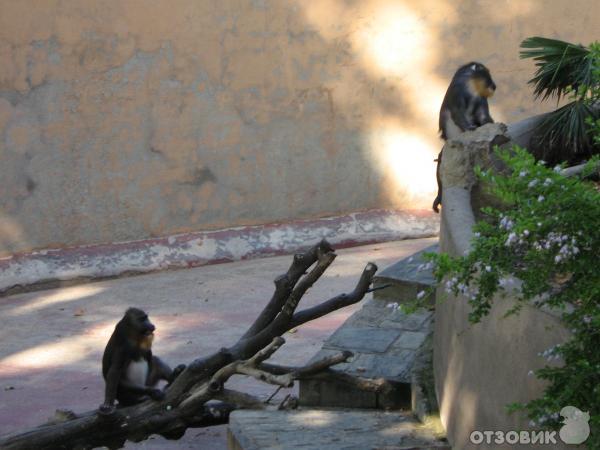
(330, 429)
(405, 278)
(386, 343)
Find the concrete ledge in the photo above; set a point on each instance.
(330, 429)
(37, 269)
(480, 369)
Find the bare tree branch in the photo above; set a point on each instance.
(339, 301)
(189, 399)
(284, 285)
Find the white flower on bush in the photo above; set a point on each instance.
(532, 183)
(550, 353)
(450, 284)
(541, 198)
(506, 223)
(512, 237)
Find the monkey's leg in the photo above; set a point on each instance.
(438, 199)
(483, 114)
(160, 371)
(111, 390)
(458, 113)
(133, 393)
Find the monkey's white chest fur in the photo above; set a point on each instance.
(137, 372)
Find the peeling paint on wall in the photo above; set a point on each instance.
(196, 249)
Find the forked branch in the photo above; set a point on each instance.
(190, 399)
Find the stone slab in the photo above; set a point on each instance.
(410, 340)
(412, 322)
(385, 343)
(365, 339)
(394, 367)
(329, 429)
(406, 277)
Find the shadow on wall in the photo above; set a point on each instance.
(149, 119)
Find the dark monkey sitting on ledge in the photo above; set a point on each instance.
(130, 370)
(465, 107)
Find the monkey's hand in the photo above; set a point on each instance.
(471, 127)
(177, 371)
(106, 409)
(156, 394)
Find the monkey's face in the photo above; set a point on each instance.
(140, 329)
(481, 80)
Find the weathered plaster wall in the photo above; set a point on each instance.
(127, 119)
(480, 369)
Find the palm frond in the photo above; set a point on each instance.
(564, 134)
(560, 66)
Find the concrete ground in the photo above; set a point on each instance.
(51, 342)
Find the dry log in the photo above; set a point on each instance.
(190, 400)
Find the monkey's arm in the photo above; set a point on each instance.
(112, 384)
(458, 113)
(483, 113)
(162, 371)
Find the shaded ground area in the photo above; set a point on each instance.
(51, 342)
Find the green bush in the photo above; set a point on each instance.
(547, 235)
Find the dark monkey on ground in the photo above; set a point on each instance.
(130, 370)
(465, 107)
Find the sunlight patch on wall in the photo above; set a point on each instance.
(395, 46)
(396, 42)
(405, 160)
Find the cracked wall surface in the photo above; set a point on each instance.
(133, 119)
